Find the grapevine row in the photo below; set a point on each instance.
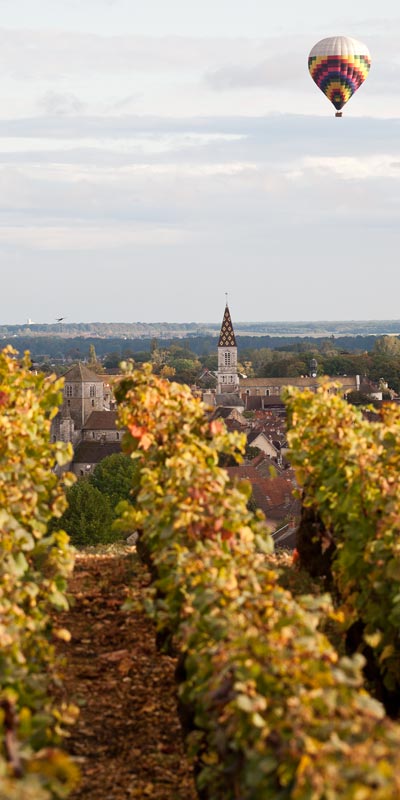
(34, 565)
(348, 464)
(270, 710)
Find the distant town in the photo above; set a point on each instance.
(241, 379)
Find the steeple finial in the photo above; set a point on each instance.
(226, 298)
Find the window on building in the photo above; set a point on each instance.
(267, 392)
(92, 402)
(92, 391)
(117, 435)
(68, 402)
(68, 390)
(227, 359)
(93, 435)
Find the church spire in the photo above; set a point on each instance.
(227, 334)
(227, 375)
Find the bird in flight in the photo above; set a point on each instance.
(60, 319)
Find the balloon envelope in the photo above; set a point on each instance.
(339, 65)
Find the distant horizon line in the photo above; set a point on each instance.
(319, 321)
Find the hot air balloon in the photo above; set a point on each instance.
(339, 65)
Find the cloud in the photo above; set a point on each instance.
(355, 169)
(197, 174)
(61, 104)
(232, 201)
(282, 69)
(37, 55)
(126, 102)
(87, 237)
(291, 133)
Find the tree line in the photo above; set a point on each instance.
(77, 346)
(371, 358)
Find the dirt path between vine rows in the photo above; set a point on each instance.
(127, 740)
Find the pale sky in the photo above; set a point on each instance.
(155, 155)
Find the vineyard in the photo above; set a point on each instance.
(269, 706)
(34, 569)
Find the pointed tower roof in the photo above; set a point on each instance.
(227, 335)
(81, 374)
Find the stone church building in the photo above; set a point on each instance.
(85, 420)
(83, 393)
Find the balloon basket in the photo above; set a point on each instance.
(339, 114)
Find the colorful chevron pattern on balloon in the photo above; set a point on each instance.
(339, 77)
(339, 65)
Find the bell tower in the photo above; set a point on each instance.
(228, 379)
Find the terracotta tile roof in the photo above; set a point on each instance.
(93, 452)
(265, 410)
(234, 425)
(80, 373)
(258, 460)
(345, 380)
(272, 425)
(101, 421)
(243, 472)
(227, 335)
(273, 495)
(266, 467)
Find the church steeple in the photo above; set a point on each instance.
(228, 379)
(227, 335)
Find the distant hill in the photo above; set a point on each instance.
(172, 330)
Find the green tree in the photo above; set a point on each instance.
(387, 345)
(186, 369)
(112, 360)
(209, 362)
(386, 367)
(88, 518)
(116, 477)
(92, 355)
(94, 363)
(167, 372)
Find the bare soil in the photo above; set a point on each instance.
(127, 741)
